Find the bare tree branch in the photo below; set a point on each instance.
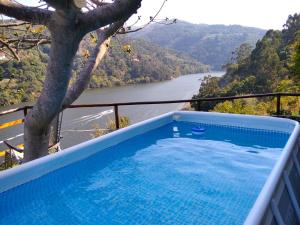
(20, 35)
(94, 60)
(11, 47)
(109, 13)
(12, 51)
(127, 31)
(36, 41)
(153, 19)
(29, 14)
(13, 24)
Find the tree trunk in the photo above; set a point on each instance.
(67, 25)
(65, 40)
(84, 77)
(86, 73)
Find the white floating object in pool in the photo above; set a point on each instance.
(175, 129)
(198, 130)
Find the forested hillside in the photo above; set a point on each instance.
(273, 66)
(22, 81)
(145, 63)
(210, 44)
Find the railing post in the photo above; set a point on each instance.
(198, 105)
(278, 110)
(25, 111)
(117, 117)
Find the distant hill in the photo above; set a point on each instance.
(210, 44)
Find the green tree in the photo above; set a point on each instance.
(296, 62)
(209, 88)
(242, 53)
(269, 68)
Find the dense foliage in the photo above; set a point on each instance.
(273, 66)
(210, 44)
(22, 81)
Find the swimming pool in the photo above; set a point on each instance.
(155, 172)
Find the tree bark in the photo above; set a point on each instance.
(86, 73)
(108, 14)
(99, 51)
(65, 38)
(26, 13)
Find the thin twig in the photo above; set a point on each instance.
(15, 55)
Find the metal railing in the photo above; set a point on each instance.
(197, 101)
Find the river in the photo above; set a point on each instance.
(77, 123)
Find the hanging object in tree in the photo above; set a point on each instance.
(79, 3)
(127, 48)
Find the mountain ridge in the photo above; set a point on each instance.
(210, 44)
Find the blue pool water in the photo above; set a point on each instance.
(165, 176)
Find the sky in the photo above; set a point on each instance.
(266, 14)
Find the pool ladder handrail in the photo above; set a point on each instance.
(291, 192)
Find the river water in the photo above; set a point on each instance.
(78, 123)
